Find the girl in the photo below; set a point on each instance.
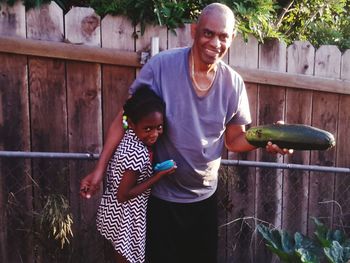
(121, 217)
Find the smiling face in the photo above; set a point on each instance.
(213, 35)
(149, 127)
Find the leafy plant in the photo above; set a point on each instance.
(326, 244)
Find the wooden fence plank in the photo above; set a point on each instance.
(272, 56)
(298, 110)
(181, 39)
(327, 62)
(15, 183)
(143, 42)
(342, 195)
(241, 180)
(47, 86)
(244, 54)
(117, 33)
(45, 23)
(85, 130)
(324, 116)
(12, 20)
(84, 26)
(345, 66)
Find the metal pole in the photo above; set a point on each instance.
(51, 155)
(285, 166)
(95, 156)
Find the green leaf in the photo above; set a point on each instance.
(334, 253)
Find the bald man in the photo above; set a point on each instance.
(206, 109)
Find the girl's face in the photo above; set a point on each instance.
(148, 128)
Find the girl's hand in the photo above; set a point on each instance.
(167, 171)
(89, 186)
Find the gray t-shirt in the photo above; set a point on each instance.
(195, 126)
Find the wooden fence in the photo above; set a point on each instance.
(64, 77)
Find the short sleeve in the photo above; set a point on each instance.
(135, 160)
(242, 114)
(145, 77)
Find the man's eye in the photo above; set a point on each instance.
(223, 37)
(148, 129)
(207, 33)
(160, 127)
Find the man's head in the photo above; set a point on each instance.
(213, 33)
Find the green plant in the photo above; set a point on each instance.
(330, 245)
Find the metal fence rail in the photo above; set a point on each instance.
(285, 195)
(94, 156)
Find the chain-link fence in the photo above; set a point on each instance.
(37, 187)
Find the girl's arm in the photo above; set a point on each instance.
(129, 188)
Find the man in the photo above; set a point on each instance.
(206, 109)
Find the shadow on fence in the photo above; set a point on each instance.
(29, 179)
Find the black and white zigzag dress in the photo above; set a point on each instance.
(124, 224)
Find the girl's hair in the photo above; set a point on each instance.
(143, 102)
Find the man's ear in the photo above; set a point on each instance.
(193, 29)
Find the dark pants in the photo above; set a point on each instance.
(182, 233)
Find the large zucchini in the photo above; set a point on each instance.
(291, 136)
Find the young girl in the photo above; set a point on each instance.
(121, 217)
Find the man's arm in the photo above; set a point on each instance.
(235, 141)
(91, 183)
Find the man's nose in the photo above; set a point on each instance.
(215, 41)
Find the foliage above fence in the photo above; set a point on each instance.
(319, 22)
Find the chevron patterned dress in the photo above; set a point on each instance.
(124, 224)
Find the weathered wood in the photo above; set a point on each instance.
(241, 180)
(272, 56)
(12, 20)
(241, 192)
(85, 129)
(244, 54)
(342, 194)
(47, 87)
(298, 110)
(325, 114)
(84, 26)
(327, 62)
(117, 33)
(143, 42)
(301, 58)
(68, 51)
(132, 59)
(345, 66)
(45, 23)
(333, 85)
(15, 183)
(182, 38)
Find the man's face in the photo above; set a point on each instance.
(213, 37)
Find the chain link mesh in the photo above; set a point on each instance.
(248, 196)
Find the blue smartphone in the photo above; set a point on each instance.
(164, 165)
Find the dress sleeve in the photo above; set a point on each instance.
(135, 160)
